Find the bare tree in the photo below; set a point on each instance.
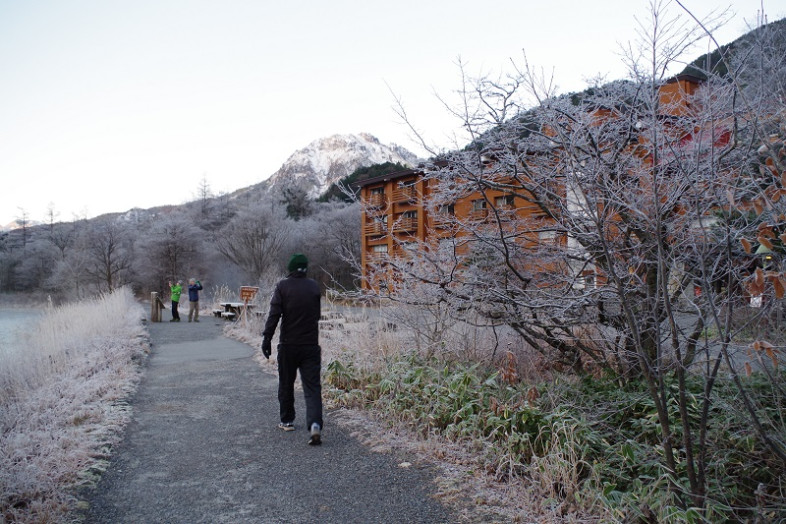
(23, 221)
(172, 246)
(36, 265)
(204, 196)
(253, 240)
(109, 255)
(331, 240)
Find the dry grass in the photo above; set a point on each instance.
(63, 403)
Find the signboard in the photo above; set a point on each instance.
(247, 293)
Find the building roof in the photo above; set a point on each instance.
(389, 176)
(687, 77)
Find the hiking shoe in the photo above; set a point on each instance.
(286, 426)
(316, 435)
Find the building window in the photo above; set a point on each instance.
(381, 248)
(376, 197)
(504, 202)
(479, 204)
(447, 209)
(547, 237)
(589, 280)
(410, 214)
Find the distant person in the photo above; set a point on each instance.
(296, 301)
(194, 287)
(175, 291)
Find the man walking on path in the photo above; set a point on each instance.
(194, 287)
(175, 291)
(296, 301)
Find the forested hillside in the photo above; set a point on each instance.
(227, 240)
(220, 240)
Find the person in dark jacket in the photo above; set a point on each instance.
(296, 302)
(194, 287)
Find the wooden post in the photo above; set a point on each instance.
(155, 307)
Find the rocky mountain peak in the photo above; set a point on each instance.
(329, 159)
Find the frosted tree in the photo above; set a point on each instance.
(109, 252)
(612, 227)
(172, 247)
(330, 238)
(254, 239)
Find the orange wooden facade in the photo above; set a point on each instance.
(396, 212)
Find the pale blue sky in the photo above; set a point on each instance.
(108, 105)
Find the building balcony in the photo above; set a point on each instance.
(479, 214)
(375, 228)
(377, 201)
(376, 258)
(443, 220)
(505, 213)
(405, 194)
(405, 224)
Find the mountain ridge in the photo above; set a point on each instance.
(329, 159)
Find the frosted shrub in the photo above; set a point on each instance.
(363, 337)
(249, 329)
(62, 403)
(218, 294)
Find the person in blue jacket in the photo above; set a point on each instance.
(194, 287)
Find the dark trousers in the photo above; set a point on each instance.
(175, 314)
(308, 359)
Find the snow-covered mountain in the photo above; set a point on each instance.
(327, 160)
(16, 224)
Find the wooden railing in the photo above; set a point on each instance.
(375, 228)
(478, 214)
(377, 200)
(374, 257)
(405, 224)
(405, 194)
(442, 219)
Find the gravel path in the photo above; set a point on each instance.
(203, 447)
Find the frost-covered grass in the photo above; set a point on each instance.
(62, 403)
(517, 442)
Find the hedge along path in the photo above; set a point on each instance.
(203, 446)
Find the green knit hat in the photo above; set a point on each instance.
(298, 261)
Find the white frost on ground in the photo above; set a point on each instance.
(63, 403)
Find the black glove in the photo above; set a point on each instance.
(266, 349)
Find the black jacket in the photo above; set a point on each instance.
(295, 301)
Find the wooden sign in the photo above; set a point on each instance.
(247, 293)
